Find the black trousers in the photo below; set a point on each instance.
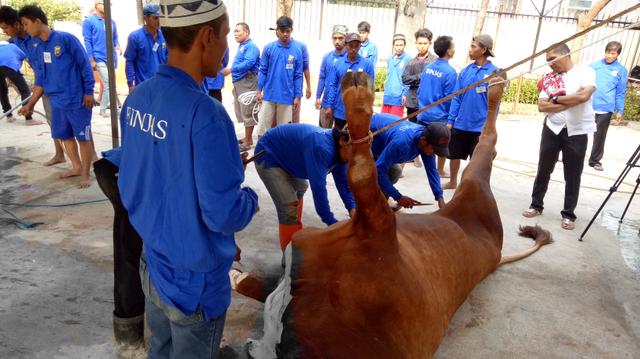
(217, 94)
(597, 150)
(127, 247)
(18, 80)
(411, 110)
(573, 150)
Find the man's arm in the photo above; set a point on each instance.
(317, 173)
(621, 93)
(410, 76)
(87, 34)
(583, 95)
(340, 178)
(547, 106)
(262, 75)
(432, 175)
(321, 79)
(36, 94)
(383, 163)
(251, 56)
(455, 103)
(130, 56)
(88, 81)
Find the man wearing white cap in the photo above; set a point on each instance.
(180, 180)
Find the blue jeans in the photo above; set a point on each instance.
(173, 334)
(285, 191)
(104, 76)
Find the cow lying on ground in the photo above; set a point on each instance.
(384, 285)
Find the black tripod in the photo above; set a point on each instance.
(632, 163)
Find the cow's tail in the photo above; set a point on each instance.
(541, 236)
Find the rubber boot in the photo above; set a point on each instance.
(129, 331)
(286, 232)
(300, 205)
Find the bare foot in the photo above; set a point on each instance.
(443, 174)
(11, 119)
(450, 185)
(85, 182)
(55, 160)
(70, 173)
(32, 122)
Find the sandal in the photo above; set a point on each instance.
(245, 148)
(567, 224)
(531, 212)
(598, 167)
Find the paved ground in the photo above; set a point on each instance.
(570, 300)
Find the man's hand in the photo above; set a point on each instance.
(618, 118)
(94, 66)
(225, 72)
(119, 50)
(329, 113)
(258, 97)
(244, 156)
(318, 104)
(88, 101)
(449, 126)
(441, 202)
(296, 103)
(25, 110)
(131, 89)
(307, 95)
(404, 100)
(407, 202)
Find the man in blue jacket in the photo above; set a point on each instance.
(368, 50)
(215, 84)
(352, 62)
(10, 63)
(468, 111)
(296, 153)
(180, 180)
(395, 92)
(280, 79)
(438, 80)
(95, 42)
(146, 48)
(402, 143)
(65, 76)
(326, 71)
(611, 89)
(244, 75)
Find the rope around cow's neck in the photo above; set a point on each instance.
(511, 67)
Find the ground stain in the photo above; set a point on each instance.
(628, 236)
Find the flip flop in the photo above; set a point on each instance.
(530, 213)
(598, 167)
(245, 148)
(567, 224)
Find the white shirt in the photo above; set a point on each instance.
(579, 119)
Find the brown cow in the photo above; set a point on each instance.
(384, 285)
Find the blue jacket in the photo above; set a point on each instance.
(438, 80)
(305, 54)
(95, 37)
(11, 56)
(399, 144)
(327, 67)
(334, 94)
(369, 51)
(394, 89)
(217, 83)
(113, 155)
(143, 55)
(247, 60)
(468, 111)
(315, 158)
(180, 180)
(27, 46)
(65, 71)
(280, 76)
(611, 86)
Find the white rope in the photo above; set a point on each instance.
(247, 99)
(565, 55)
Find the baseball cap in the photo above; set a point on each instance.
(283, 22)
(352, 37)
(486, 41)
(340, 29)
(151, 9)
(438, 135)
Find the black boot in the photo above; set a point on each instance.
(129, 331)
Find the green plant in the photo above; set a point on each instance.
(528, 92)
(381, 77)
(56, 10)
(632, 103)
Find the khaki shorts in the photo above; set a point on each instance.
(271, 111)
(244, 113)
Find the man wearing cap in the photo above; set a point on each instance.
(403, 143)
(214, 85)
(285, 172)
(95, 42)
(180, 181)
(468, 111)
(280, 79)
(413, 70)
(326, 72)
(395, 92)
(146, 48)
(352, 62)
(244, 74)
(368, 50)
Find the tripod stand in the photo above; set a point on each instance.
(631, 163)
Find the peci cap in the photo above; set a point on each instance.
(99, 2)
(352, 37)
(438, 135)
(151, 10)
(183, 13)
(399, 37)
(283, 22)
(486, 41)
(340, 29)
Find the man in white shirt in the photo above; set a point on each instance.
(565, 97)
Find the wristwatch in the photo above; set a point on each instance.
(554, 99)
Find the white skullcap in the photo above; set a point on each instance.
(182, 13)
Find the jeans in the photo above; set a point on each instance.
(128, 297)
(104, 76)
(597, 150)
(285, 191)
(175, 335)
(573, 150)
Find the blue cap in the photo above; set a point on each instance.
(151, 9)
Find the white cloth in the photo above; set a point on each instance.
(182, 13)
(579, 119)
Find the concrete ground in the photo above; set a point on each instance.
(570, 300)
